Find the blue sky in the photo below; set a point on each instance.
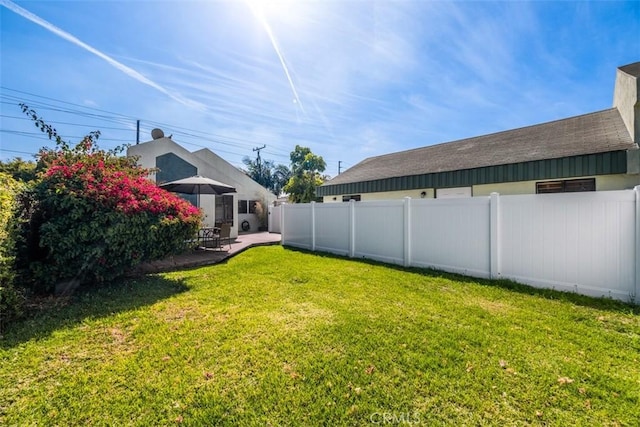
(349, 79)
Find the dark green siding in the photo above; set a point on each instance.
(171, 168)
(567, 167)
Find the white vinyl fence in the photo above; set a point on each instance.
(587, 243)
(274, 220)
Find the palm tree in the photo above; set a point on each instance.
(266, 173)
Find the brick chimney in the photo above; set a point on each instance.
(626, 98)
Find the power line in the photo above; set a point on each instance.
(23, 133)
(16, 151)
(62, 102)
(45, 107)
(66, 123)
(177, 129)
(118, 118)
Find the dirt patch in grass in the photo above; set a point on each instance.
(492, 306)
(294, 317)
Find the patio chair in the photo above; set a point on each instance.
(225, 234)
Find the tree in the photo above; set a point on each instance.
(19, 169)
(266, 173)
(259, 171)
(281, 175)
(306, 169)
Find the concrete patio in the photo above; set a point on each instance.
(200, 257)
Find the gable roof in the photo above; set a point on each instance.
(631, 69)
(175, 162)
(598, 132)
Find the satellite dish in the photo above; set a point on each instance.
(157, 133)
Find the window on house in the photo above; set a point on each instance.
(247, 206)
(242, 206)
(224, 209)
(566, 186)
(355, 197)
(453, 193)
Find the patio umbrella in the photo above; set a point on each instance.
(198, 185)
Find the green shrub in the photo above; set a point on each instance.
(20, 170)
(10, 297)
(95, 215)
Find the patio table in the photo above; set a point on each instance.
(209, 237)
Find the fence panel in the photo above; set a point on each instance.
(332, 227)
(297, 225)
(452, 235)
(379, 230)
(274, 219)
(582, 242)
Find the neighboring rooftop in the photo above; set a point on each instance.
(599, 132)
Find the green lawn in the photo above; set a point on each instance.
(282, 337)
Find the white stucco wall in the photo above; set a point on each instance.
(626, 98)
(386, 195)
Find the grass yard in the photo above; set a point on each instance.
(282, 337)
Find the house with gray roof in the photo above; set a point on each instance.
(592, 152)
(170, 162)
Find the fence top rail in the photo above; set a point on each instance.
(332, 205)
(391, 202)
(617, 195)
(480, 200)
(620, 195)
(296, 205)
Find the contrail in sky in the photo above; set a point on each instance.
(260, 17)
(120, 66)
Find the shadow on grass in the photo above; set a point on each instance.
(570, 297)
(46, 315)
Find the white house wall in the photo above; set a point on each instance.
(208, 205)
(386, 195)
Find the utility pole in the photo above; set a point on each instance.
(260, 171)
(258, 150)
(138, 132)
(339, 166)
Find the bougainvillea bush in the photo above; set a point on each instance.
(95, 215)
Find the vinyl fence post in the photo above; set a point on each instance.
(352, 228)
(313, 226)
(494, 230)
(407, 231)
(283, 236)
(636, 296)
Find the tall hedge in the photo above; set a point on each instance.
(94, 215)
(10, 297)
